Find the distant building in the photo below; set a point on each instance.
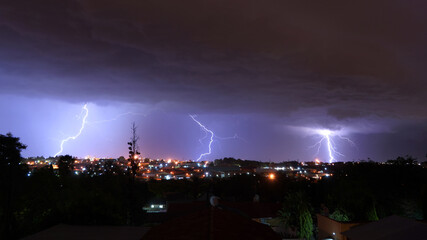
(223, 171)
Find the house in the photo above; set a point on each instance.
(72, 232)
(390, 228)
(211, 223)
(331, 229)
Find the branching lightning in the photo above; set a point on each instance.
(328, 137)
(85, 122)
(207, 131)
(78, 134)
(212, 135)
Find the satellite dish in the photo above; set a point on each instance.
(256, 198)
(214, 201)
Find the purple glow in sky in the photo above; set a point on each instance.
(266, 71)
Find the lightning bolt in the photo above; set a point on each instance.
(211, 138)
(78, 134)
(206, 131)
(327, 136)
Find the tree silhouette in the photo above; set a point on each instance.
(10, 172)
(65, 165)
(340, 215)
(296, 215)
(133, 156)
(133, 151)
(408, 160)
(10, 153)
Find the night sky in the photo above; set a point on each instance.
(262, 75)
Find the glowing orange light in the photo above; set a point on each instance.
(271, 176)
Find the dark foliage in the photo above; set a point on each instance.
(362, 191)
(12, 175)
(65, 165)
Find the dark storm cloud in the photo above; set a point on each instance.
(349, 59)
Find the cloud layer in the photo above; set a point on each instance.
(350, 59)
